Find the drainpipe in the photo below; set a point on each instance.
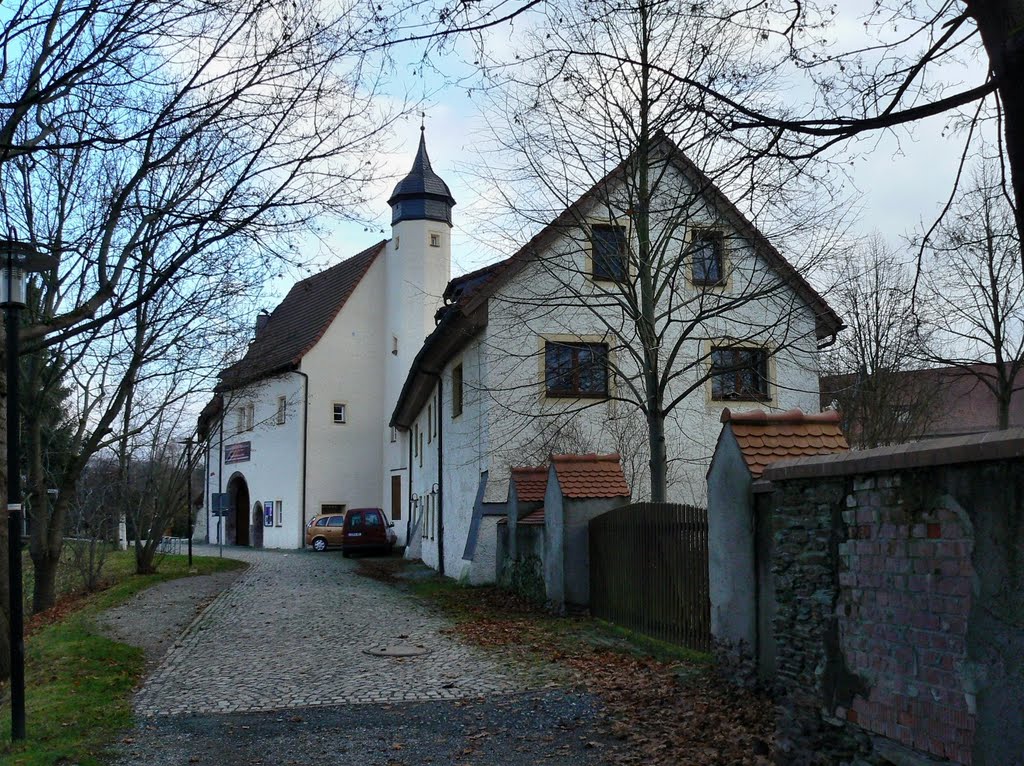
(440, 480)
(220, 484)
(305, 453)
(408, 497)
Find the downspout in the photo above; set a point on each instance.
(440, 480)
(408, 497)
(305, 453)
(220, 485)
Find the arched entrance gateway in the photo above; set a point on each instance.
(237, 527)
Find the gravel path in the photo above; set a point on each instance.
(155, 618)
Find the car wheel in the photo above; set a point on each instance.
(319, 545)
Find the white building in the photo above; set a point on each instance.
(381, 383)
(299, 425)
(531, 356)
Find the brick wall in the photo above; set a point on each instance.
(899, 605)
(903, 604)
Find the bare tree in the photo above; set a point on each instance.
(974, 285)
(870, 370)
(653, 273)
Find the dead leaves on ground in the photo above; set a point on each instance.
(660, 713)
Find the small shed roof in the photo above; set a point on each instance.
(531, 483)
(765, 437)
(590, 476)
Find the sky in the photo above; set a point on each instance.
(897, 180)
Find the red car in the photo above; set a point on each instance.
(367, 529)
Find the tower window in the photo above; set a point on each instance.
(435, 240)
(397, 241)
(394, 345)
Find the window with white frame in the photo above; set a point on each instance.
(339, 413)
(282, 410)
(435, 240)
(394, 434)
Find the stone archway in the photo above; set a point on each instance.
(257, 524)
(237, 532)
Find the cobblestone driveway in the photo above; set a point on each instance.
(290, 633)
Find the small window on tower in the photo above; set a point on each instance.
(397, 241)
(394, 345)
(435, 240)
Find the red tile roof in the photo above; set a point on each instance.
(300, 320)
(531, 483)
(764, 438)
(590, 476)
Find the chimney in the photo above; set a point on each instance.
(261, 321)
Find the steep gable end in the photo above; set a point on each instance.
(300, 320)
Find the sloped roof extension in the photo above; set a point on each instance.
(299, 321)
(765, 438)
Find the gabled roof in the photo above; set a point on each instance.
(481, 284)
(299, 321)
(531, 483)
(765, 438)
(590, 476)
(467, 295)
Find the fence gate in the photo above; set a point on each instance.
(649, 571)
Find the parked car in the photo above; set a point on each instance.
(357, 529)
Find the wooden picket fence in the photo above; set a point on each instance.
(649, 571)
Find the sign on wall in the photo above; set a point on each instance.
(219, 503)
(237, 453)
(268, 513)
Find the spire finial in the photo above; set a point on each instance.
(423, 120)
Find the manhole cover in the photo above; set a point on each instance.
(397, 650)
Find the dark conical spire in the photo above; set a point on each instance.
(421, 195)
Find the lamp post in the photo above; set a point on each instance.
(19, 258)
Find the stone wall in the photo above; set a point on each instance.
(899, 582)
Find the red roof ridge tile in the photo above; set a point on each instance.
(590, 457)
(796, 416)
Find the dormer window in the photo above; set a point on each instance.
(608, 252)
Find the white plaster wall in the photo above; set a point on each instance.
(513, 344)
(273, 471)
(415, 276)
(345, 461)
(424, 478)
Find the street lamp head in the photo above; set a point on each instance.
(16, 260)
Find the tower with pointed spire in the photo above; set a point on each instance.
(422, 195)
(418, 267)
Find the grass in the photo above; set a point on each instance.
(78, 683)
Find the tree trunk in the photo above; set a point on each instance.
(1001, 24)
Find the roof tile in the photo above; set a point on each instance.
(765, 438)
(300, 320)
(590, 476)
(531, 483)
